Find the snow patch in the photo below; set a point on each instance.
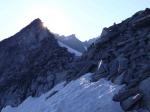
(79, 95)
(99, 64)
(77, 53)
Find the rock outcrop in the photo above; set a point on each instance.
(122, 55)
(30, 64)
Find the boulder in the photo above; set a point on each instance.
(144, 87)
(102, 71)
(113, 68)
(84, 70)
(131, 102)
(120, 78)
(124, 94)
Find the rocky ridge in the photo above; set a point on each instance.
(122, 55)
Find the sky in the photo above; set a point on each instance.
(85, 18)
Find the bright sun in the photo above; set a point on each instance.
(55, 19)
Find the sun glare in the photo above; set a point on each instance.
(44, 25)
(54, 19)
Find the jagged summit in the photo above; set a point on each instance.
(36, 23)
(32, 35)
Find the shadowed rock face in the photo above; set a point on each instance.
(123, 56)
(29, 63)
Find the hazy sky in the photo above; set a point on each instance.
(85, 18)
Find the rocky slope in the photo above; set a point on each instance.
(122, 55)
(30, 64)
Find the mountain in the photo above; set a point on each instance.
(71, 41)
(30, 64)
(89, 42)
(113, 75)
(69, 49)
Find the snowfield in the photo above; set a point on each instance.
(79, 95)
(77, 53)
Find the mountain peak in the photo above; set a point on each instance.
(37, 21)
(33, 34)
(35, 26)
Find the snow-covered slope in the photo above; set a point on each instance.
(79, 95)
(77, 53)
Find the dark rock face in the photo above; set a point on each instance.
(30, 62)
(122, 54)
(144, 87)
(130, 102)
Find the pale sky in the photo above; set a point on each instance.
(85, 18)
